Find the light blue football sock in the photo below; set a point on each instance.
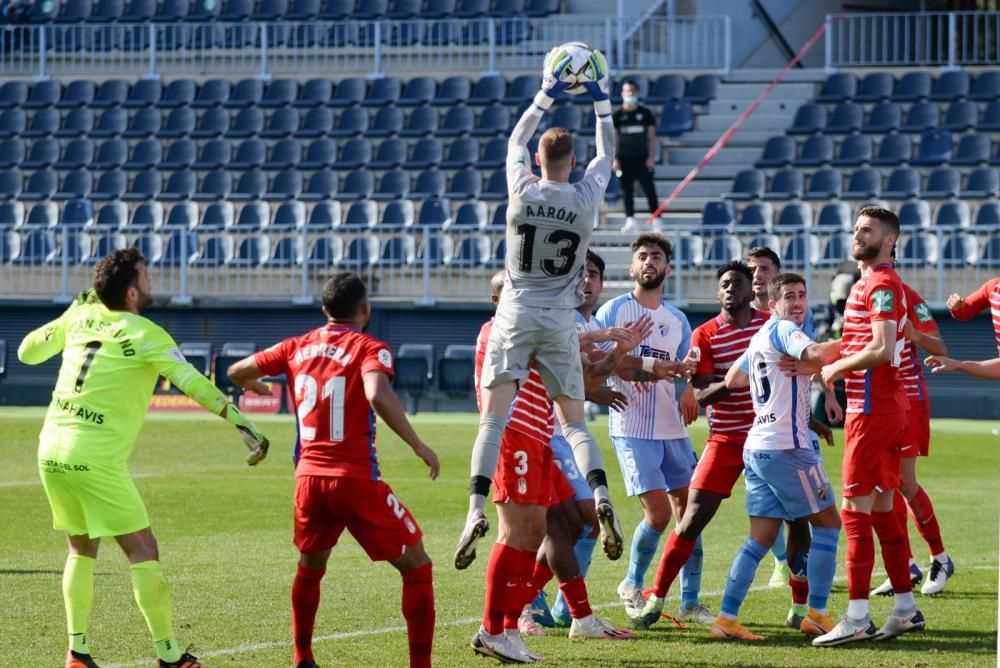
(741, 573)
(779, 549)
(691, 577)
(822, 566)
(645, 540)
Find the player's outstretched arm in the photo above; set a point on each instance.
(737, 377)
(599, 90)
(383, 399)
(971, 306)
(518, 159)
(43, 343)
(988, 369)
(929, 341)
(878, 351)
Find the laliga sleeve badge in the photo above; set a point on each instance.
(385, 358)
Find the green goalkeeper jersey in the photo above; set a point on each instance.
(110, 365)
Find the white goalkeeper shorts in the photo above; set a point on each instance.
(525, 334)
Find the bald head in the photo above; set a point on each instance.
(496, 286)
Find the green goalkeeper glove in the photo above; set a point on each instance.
(88, 296)
(256, 441)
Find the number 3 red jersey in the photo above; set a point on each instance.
(335, 423)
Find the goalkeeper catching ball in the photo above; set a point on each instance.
(111, 359)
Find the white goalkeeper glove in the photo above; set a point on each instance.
(256, 442)
(600, 86)
(556, 63)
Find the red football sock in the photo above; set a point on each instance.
(501, 570)
(890, 537)
(305, 602)
(899, 510)
(418, 610)
(676, 553)
(860, 552)
(529, 572)
(577, 600)
(800, 590)
(927, 524)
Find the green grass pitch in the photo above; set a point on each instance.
(225, 531)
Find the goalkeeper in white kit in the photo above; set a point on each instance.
(549, 226)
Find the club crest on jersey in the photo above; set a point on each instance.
(664, 328)
(385, 358)
(522, 486)
(923, 313)
(882, 301)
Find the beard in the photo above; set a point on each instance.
(866, 252)
(145, 299)
(652, 283)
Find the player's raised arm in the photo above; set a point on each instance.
(739, 374)
(988, 369)
(518, 158)
(599, 91)
(383, 399)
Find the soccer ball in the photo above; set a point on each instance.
(580, 68)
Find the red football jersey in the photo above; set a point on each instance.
(531, 412)
(335, 422)
(910, 369)
(875, 297)
(986, 296)
(721, 344)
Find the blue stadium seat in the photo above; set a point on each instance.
(218, 216)
(982, 183)
(11, 182)
(317, 123)
(403, 9)
(718, 213)
(467, 9)
(801, 251)
(215, 154)
(972, 150)
(171, 11)
(990, 257)
(786, 184)
(77, 123)
(817, 150)
(434, 212)
(541, 8)
(145, 186)
(498, 221)
(246, 93)
(236, 10)
(394, 184)
(991, 118)
(13, 94)
(284, 253)
(75, 185)
(838, 87)
(215, 185)
(747, 185)
(824, 184)
(77, 154)
(702, 89)
(422, 121)
(250, 154)
(111, 123)
(884, 117)
(864, 183)
(834, 215)
(253, 216)
(146, 154)
(875, 87)
(359, 254)
(497, 258)
(495, 154)
(953, 214)
(778, 152)
(36, 247)
(213, 253)
(248, 252)
(505, 8)
(912, 87)
(988, 214)
(894, 150)
(845, 119)
(903, 183)
(810, 118)
(418, 91)
(111, 93)
(383, 91)
(78, 93)
(145, 93)
(471, 252)
(756, 216)
(280, 92)
(112, 216)
(213, 123)
(922, 116)
(324, 252)
(470, 216)
(213, 93)
(284, 154)
(349, 92)
(284, 122)
(836, 250)
(179, 93)
(496, 187)
(720, 250)
(41, 185)
(182, 216)
(915, 213)
(960, 250)
(429, 183)
(398, 215)
(388, 121)
(144, 123)
(427, 152)
(270, 10)
(351, 122)
(43, 154)
(251, 185)
(391, 153)
(986, 87)
(289, 216)
(462, 152)
(12, 153)
(435, 250)
(355, 153)
(465, 184)
(489, 89)
(203, 12)
(43, 94)
(180, 123)
(44, 123)
(676, 118)
(666, 88)
(935, 148)
(314, 93)
(358, 184)
(951, 86)
(322, 153)
(303, 10)
(522, 87)
(43, 215)
(458, 120)
(147, 216)
(795, 214)
(361, 215)
(453, 90)
(493, 120)
(436, 9)
(322, 185)
(855, 150)
(942, 183)
(961, 115)
(248, 122)
(110, 186)
(287, 185)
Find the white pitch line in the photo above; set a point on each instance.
(252, 647)
(36, 481)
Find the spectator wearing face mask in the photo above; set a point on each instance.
(635, 158)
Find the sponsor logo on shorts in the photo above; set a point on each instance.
(53, 466)
(78, 411)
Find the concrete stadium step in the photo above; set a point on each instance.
(728, 155)
(702, 188)
(738, 105)
(743, 137)
(728, 91)
(721, 122)
(712, 170)
(814, 75)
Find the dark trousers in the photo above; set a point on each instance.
(634, 169)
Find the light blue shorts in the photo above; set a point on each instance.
(655, 464)
(786, 484)
(562, 455)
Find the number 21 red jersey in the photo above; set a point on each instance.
(335, 423)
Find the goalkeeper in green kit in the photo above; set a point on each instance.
(111, 359)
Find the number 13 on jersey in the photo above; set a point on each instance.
(311, 412)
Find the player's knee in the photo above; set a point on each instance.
(658, 518)
(909, 488)
(588, 516)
